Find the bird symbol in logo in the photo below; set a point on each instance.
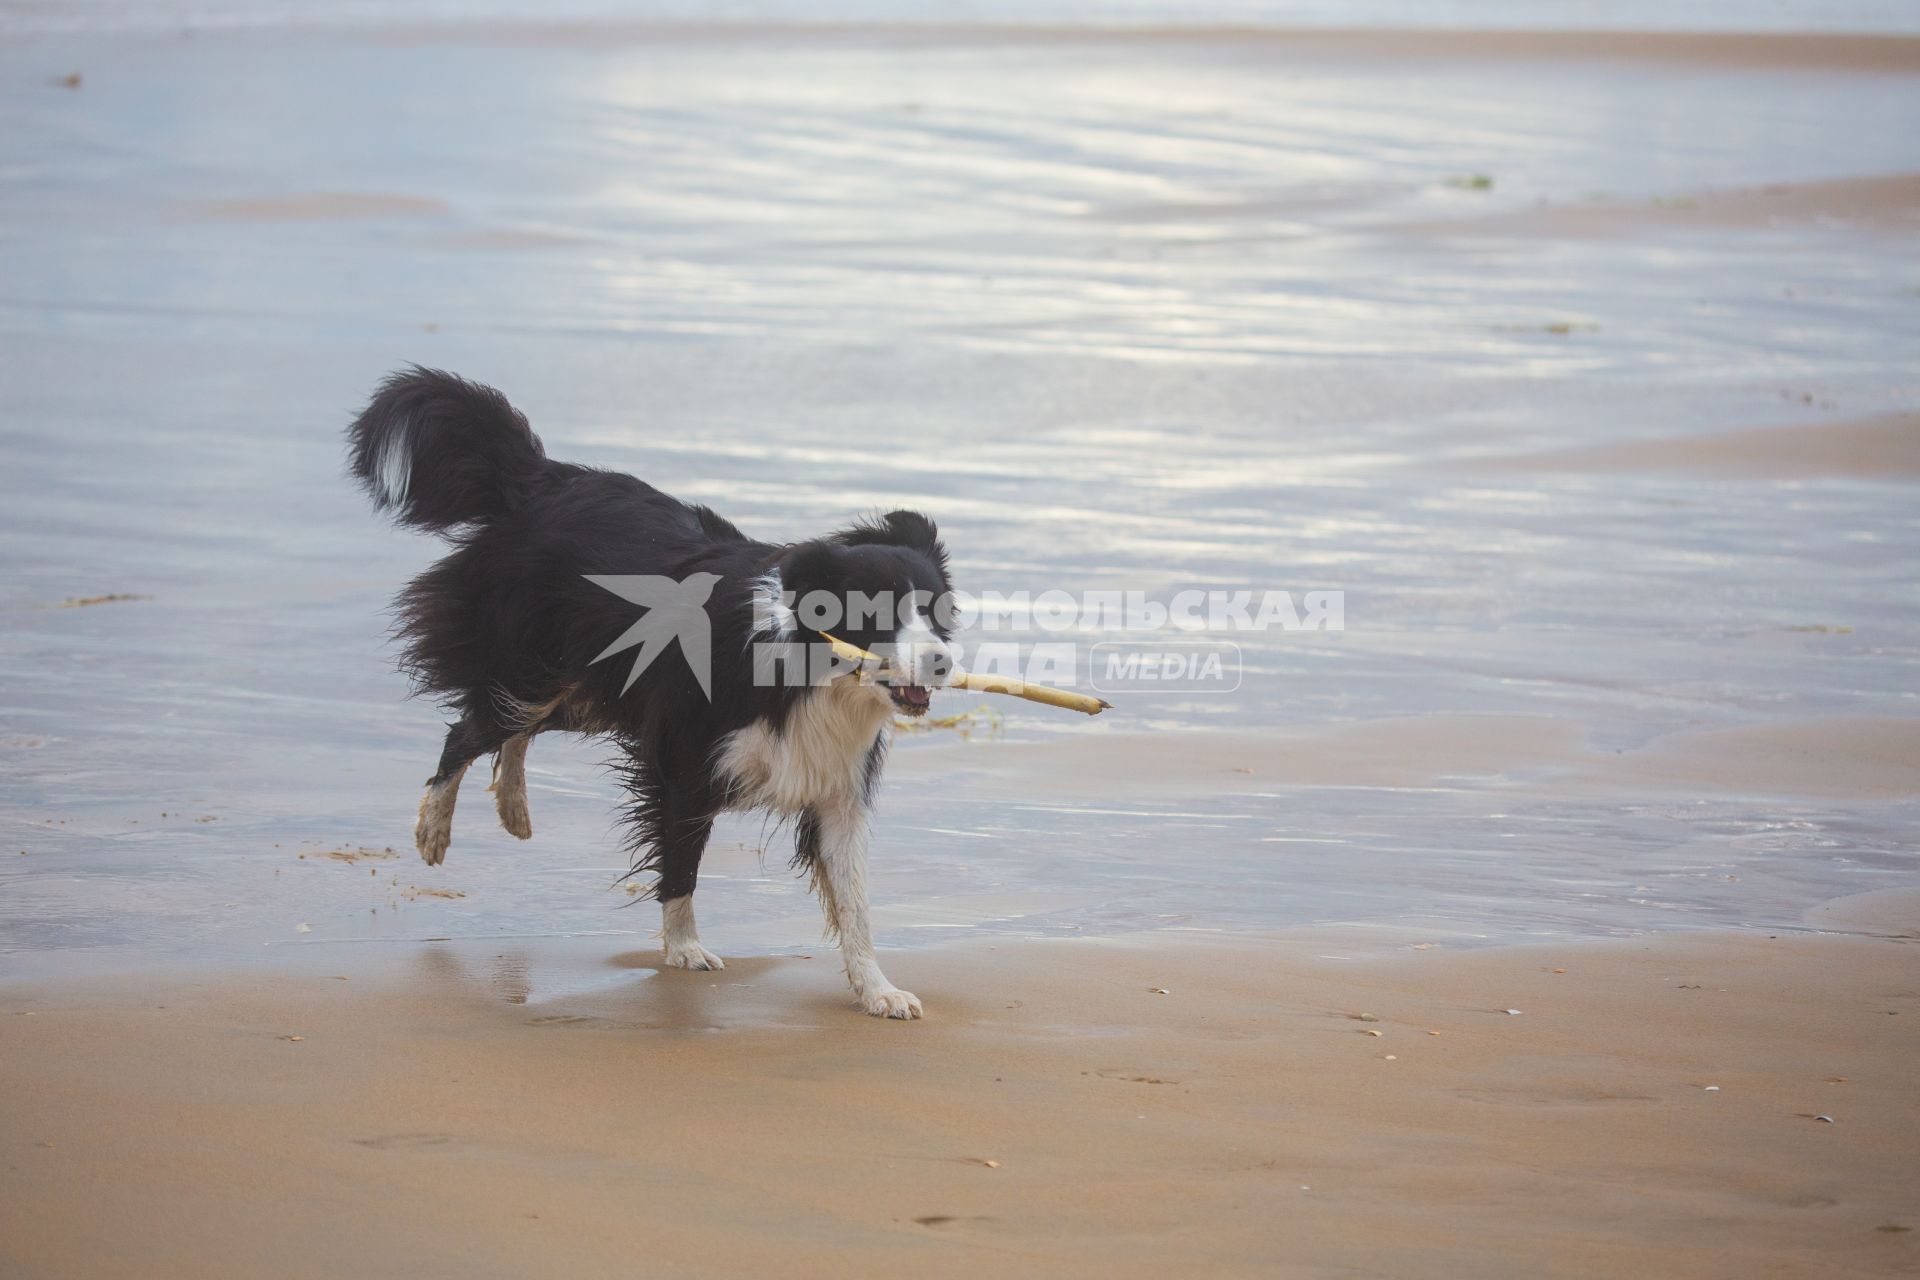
(675, 610)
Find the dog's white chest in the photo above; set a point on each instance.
(817, 758)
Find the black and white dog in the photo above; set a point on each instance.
(509, 631)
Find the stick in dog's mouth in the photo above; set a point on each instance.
(910, 700)
(914, 699)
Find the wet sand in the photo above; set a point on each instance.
(1887, 204)
(1076, 1108)
(1885, 53)
(1886, 448)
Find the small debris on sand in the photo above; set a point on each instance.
(85, 602)
(357, 854)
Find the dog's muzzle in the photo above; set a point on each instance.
(910, 699)
(915, 666)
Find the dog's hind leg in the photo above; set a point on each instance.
(510, 786)
(433, 829)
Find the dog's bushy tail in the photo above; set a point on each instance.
(438, 451)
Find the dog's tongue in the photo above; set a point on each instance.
(912, 695)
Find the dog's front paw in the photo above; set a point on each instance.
(691, 955)
(891, 1002)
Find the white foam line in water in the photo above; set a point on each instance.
(1132, 813)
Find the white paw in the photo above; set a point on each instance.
(691, 955)
(891, 1002)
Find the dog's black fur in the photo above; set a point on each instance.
(505, 631)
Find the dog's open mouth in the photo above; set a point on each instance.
(910, 699)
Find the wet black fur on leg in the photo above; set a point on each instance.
(467, 741)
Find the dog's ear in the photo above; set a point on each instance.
(907, 529)
(819, 566)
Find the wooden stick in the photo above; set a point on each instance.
(1009, 685)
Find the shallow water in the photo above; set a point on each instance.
(1121, 314)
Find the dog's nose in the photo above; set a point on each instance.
(932, 662)
(922, 660)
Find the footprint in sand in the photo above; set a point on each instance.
(1553, 1097)
(406, 1141)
